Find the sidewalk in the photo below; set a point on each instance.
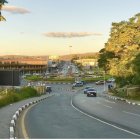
(8, 111)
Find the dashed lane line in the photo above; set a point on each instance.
(134, 114)
(107, 106)
(103, 105)
(109, 101)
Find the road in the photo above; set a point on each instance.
(69, 68)
(60, 117)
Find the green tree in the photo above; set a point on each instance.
(136, 67)
(2, 2)
(121, 49)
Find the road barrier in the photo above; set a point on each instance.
(121, 99)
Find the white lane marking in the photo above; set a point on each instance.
(107, 106)
(98, 102)
(104, 105)
(109, 101)
(132, 113)
(133, 133)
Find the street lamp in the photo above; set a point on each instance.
(70, 53)
(104, 80)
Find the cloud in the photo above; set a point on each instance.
(15, 10)
(70, 34)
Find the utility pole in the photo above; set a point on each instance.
(70, 53)
(104, 81)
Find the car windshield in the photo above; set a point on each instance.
(87, 87)
(91, 89)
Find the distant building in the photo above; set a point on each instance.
(53, 63)
(87, 62)
(25, 65)
(54, 57)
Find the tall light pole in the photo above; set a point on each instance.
(104, 80)
(70, 53)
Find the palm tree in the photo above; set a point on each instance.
(2, 2)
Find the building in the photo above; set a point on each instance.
(25, 65)
(9, 77)
(87, 62)
(53, 64)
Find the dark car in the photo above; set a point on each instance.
(86, 89)
(77, 84)
(91, 92)
(101, 82)
(48, 89)
(83, 82)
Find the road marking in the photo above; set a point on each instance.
(104, 105)
(109, 101)
(132, 113)
(23, 128)
(107, 106)
(133, 133)
(98, 103)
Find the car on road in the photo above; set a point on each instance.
(78, 84)
(110, 80)
(91, 92)
(48, 89)
(86, 89)
(84, 83)
(101, 82)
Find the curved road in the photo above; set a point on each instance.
(57, 117)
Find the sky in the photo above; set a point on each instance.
(50, 27)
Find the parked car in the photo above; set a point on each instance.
(48, 89)
(101, 82)
(91, 92)
(86, 89)
(78, 84)
(110, 80)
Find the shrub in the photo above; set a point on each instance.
(14, 96)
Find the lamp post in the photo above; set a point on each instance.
(70, 53)
(104, 80)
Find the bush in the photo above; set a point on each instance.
(61, 79)
(14, 96)
(34, 78)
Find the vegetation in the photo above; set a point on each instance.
(121, 55)
(17, 95)
(56, 79)
(122, 92)
(34, 78)
(2, 2)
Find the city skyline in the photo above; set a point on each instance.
(49, 27)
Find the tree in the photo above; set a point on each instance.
(2, 2)
(104, 57)
(121, 49)
(136, 67)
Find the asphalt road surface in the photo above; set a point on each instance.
(59, 117)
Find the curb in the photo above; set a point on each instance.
(121, 99)
(17, 114)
